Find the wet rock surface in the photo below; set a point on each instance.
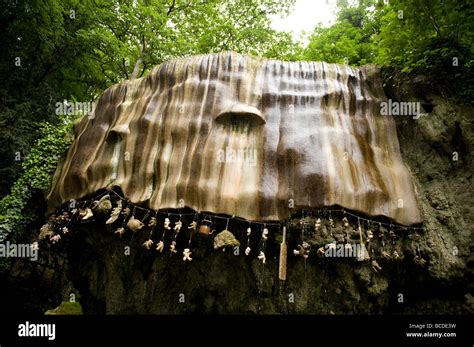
(93, 263)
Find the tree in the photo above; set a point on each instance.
(348, 40)
(70, 49)
(429, 37)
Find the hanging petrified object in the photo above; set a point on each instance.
(177, 229)
(261, 256)
(46, 231)
(418, 260)
(147, 244)
(331, 222)
(85, 214)
(370, 235)
(205, 227)
(302, 250)
(248, 249)
(345, 222)
(153, 222)
(63, 218)
(375, 266)
(321, 252)
(362, 253)
(134, 224)
(34, 246)
(283, 255)
(178, 226)
(317, 225)
(160, 246)
(265, 234)
(55, 238)
(263, 245)
(187, 251)
(187, 254)
(126, 211)
(115, 213)
(102, 206)
(392, 235)
(173, 247)
(120, 231)
(225, 239)
(385, 254)
(192, 226)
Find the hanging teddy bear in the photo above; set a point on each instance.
(187, 254)
(247, 250)
(177, 229)
(167, 224)
(261, 256)
(173, 247)
(161, 244)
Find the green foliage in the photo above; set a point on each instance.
(412, 37)
(78, 48)
(348, 40)
(37, 169)
(66, 308)
(429, 37)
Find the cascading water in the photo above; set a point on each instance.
(243, 136)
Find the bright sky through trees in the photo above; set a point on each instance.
(306, 14)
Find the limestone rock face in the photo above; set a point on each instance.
(242, 136)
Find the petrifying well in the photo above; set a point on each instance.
(239, 135)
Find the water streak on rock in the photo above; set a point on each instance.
(241, 136)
